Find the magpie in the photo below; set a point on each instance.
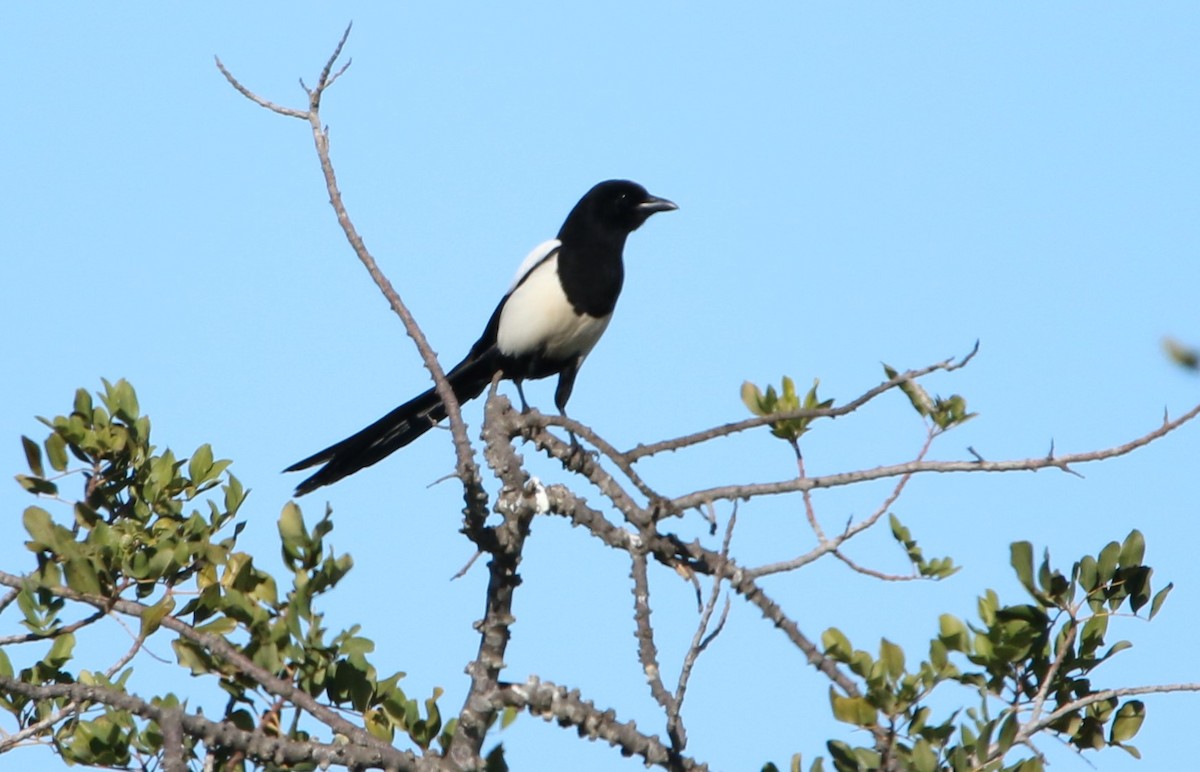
(552, 315)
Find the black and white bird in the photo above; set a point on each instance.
(556, 309)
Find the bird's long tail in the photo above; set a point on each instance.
(396, 429)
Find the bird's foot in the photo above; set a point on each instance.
(579, 455)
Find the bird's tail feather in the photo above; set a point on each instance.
(396, 429)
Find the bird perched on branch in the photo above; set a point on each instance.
(547, 323)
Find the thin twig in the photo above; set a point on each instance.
(648, 652)
(55, 633)
(731, 492)
(1039, 700)
(948, 365)
(810, 510)
(828, 546)
(568, 708)
(873, 573)
(537, 419)
(702, 637)
(474, 496)
(1031, 728)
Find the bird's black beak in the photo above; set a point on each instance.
(655, 204)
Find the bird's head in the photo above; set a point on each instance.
(619, 206)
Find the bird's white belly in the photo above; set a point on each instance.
(538, 318)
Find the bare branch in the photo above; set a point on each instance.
(702, 637)
(1033, 727)
(540, 420)
(519, 499)
(568, 708)
(826, 546)
(31, 637)
(324, 81)
(648, 653)
(588, 468)
(810, 510)
(474, 496)
(1065, 648)
(732, 492)
(873, 573)
(672, 552)
(948, 365)
(255, 98)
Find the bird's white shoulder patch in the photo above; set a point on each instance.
(538, 318)
(537, 255)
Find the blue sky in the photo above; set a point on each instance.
(857, 183)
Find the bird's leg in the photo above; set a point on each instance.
(562, 393)
(566, 380)
(521, 394)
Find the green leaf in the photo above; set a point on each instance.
(852, 710)
(56, 451)
(6, 668)
(38, 525)
(1106, 564)
(200, 463)
(33, 456)
(1128, 721)
(191, 656)
(293, 533)
(892, 657)
(83, 402)
(37, 486)
(923, 757)
(124, 401)
(1021, 558)
(1133, 550)
(1008, 733)
(1159, 598)
(153, 616)
(1182, 355)
(60, 650)
(1137, 582)
(81, 576)
(836, 644)
(952, 632)
(752, 398)
(1093, 633)
(1087, 573)
(378, 724)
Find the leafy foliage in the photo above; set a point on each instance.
(153, 537)
(784, 401)
(945, 413)
(146, 534)
(1029, 666)
(1185, 356)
